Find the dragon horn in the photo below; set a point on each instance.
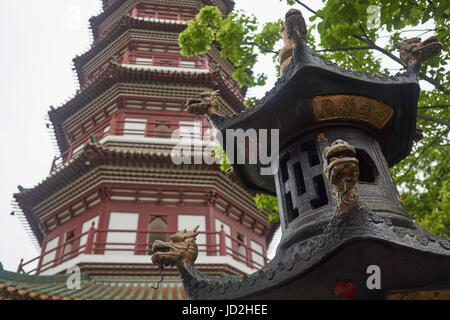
(194, 231)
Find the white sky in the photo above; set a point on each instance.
(39, 39)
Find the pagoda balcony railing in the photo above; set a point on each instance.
(152, 59)
(152, 129)
(73, 152)
(166, 11)
(142, 12)
(162, 130)
(146, 13)
(96, 243)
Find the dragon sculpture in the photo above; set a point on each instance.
(206, 103)
(413, 51)
(293, 34)
(181, 249)
(342, 171)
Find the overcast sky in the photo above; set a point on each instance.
(39, 39)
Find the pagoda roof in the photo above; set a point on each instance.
(116, 73)
(35, 287)
(112, 3)
(96, 155)
(108, 10)
(288, 107)
(125, 23)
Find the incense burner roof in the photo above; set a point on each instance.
(290, 107)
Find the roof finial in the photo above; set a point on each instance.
(296, 30)
(413, 52)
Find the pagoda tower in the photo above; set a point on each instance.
(114, 188)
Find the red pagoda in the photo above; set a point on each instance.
(114, 189)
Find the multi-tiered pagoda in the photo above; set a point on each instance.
(114, 189)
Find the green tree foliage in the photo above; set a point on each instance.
(350, 33)
(237, 37)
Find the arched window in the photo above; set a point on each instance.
(157, 224)
(68, 247)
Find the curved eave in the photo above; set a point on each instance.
(95, 155)
(116, 74)
(307, 268)
(288, 107)
(107, 11)
(229, 4)
(286, 84)
(124, 24)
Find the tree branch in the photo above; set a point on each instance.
(306, 7)
(422, 75)
(344, 49)
(433, 119)
(262, 49)
(438, 106)
(434, 83)
(372, 45)
(437, 139)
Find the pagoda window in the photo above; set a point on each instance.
(157, 224)
(187, 64)
(134, 127)
(162, 130)
(190, 130)
(106, 130)
(68, 246)
(190, 221)
(144, 61)
(120, 242)
(85, 228)
(257, 253)
(50, 256)
(241, 248)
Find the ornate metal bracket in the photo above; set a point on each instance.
(413, 51)
(342, 171)
(206, 103)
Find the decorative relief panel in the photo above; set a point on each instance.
(352, 108)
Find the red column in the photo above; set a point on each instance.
(90, 240)
(222, 243)
(248, 253)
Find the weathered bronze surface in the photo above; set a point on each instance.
(181, 249)
(347, 107)
(285, 55)
(413, 51)
(295, 27)
(341, 168)
(340, 211)
(206, 103)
